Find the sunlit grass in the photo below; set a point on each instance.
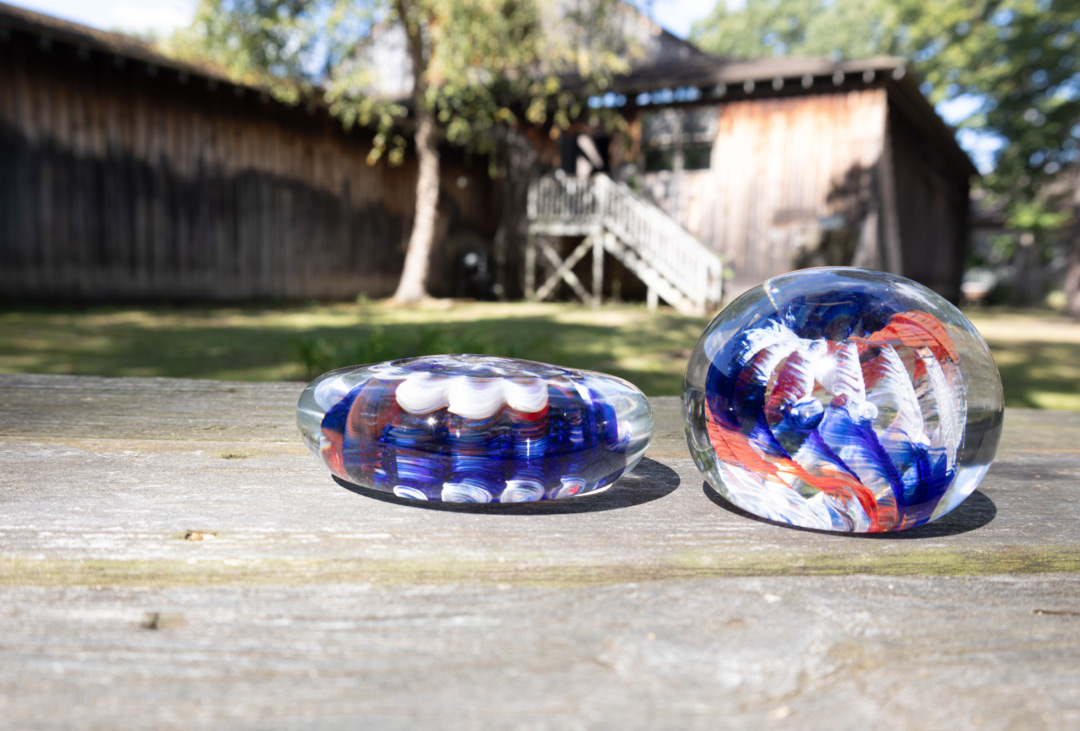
(1038, 352)
(296, 343)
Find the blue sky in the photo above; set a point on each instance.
(675, 15)
(164, 15)
(138, 15)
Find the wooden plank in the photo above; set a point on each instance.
(530, 266)
(597, 270)
(650, 605)
(781, 166)
(931, 209)
(894, 259)
(25, 183)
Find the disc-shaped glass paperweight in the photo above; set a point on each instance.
(843, 400)
(473, 428)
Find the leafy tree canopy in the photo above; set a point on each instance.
(462, 68)
(483, 62)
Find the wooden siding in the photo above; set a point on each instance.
(792, 182)
(932, 198)
(122, 180)
(841, 178)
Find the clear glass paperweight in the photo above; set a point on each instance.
(843, 400)
(472, 428)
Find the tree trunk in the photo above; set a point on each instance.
(413, 284)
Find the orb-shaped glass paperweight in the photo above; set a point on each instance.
(843, 400)
(473, 428)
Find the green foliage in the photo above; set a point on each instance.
(839, 28)
(484, 63)
(1021, 58)
(317, 355)
(264, 43)
(1033, 215)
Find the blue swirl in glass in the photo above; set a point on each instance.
(474, 428)
(843, 400)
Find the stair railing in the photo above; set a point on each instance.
(662, 244)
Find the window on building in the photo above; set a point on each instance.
(697, 156)
(659, 158)
(678, 139)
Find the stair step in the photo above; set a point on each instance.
(651, 277)
(674, 265)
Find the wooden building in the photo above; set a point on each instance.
(781, 164)
(128, 175)
(125, 174)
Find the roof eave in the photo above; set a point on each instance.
(720, 80)
(906, 94)
(52, 31)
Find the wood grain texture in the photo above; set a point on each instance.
(171, 556)
(799, 180)
(136, 181)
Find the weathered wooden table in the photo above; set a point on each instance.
(171, 556)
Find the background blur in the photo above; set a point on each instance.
(254, 190)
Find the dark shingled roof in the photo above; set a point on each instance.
(707, 70)
(49, 29)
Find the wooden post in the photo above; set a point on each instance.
(598, 269)
(653, 299)
(530, 267)
(868, 255)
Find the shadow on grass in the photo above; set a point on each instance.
(273, 343)
(661, 347)
(1031, 372)
(650, 352)
(975, 512)
(649, 481)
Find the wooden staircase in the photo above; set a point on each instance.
(675, 266)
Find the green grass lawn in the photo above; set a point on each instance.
(1038, 354)
(1038, 351)
(298, 343)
